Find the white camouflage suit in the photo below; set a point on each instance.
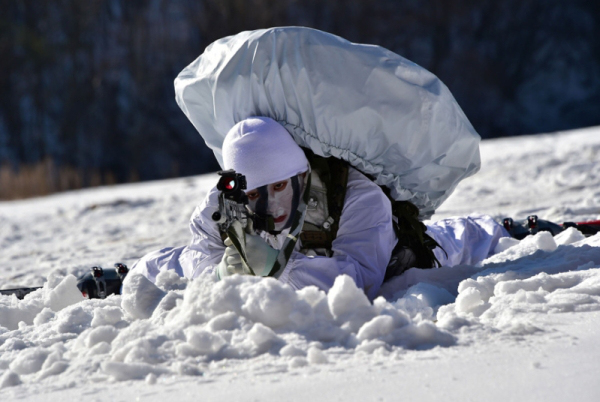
(363, 104)
(361, 250)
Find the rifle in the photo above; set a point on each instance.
(98, 283)
(232, 201)
(533, 225)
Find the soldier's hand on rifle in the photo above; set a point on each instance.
(259, 255)
(231, 263)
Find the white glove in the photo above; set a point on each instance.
(260, 255)
(231, 263)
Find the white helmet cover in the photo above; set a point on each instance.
(263, 151)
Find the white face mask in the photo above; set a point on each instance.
(279, 202)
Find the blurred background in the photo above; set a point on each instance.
(86, 86)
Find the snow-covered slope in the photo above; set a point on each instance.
(523, 325)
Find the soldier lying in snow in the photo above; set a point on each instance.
(286, 190)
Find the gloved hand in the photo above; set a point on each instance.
(231, 263)
(259, 254)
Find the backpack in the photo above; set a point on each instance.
(385, 115)
(414, 248)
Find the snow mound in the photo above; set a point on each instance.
(152, 332)
(56, 294)
(172, 329)
(537, 276)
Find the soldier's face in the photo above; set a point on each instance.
(278, 203)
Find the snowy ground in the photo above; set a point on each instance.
(524, 325)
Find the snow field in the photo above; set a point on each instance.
(182, 328)
(525, 318)
(556, 176)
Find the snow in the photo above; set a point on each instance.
(522, 324)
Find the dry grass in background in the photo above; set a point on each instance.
(45, 178)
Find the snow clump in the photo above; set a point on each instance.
(153, 331)
(55, 337)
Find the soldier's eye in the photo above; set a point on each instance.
(280, 186)
(252, 195)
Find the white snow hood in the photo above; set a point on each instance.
(387, 116)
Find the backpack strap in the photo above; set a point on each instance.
(333, 172)
(412, 239)
(414, 248)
